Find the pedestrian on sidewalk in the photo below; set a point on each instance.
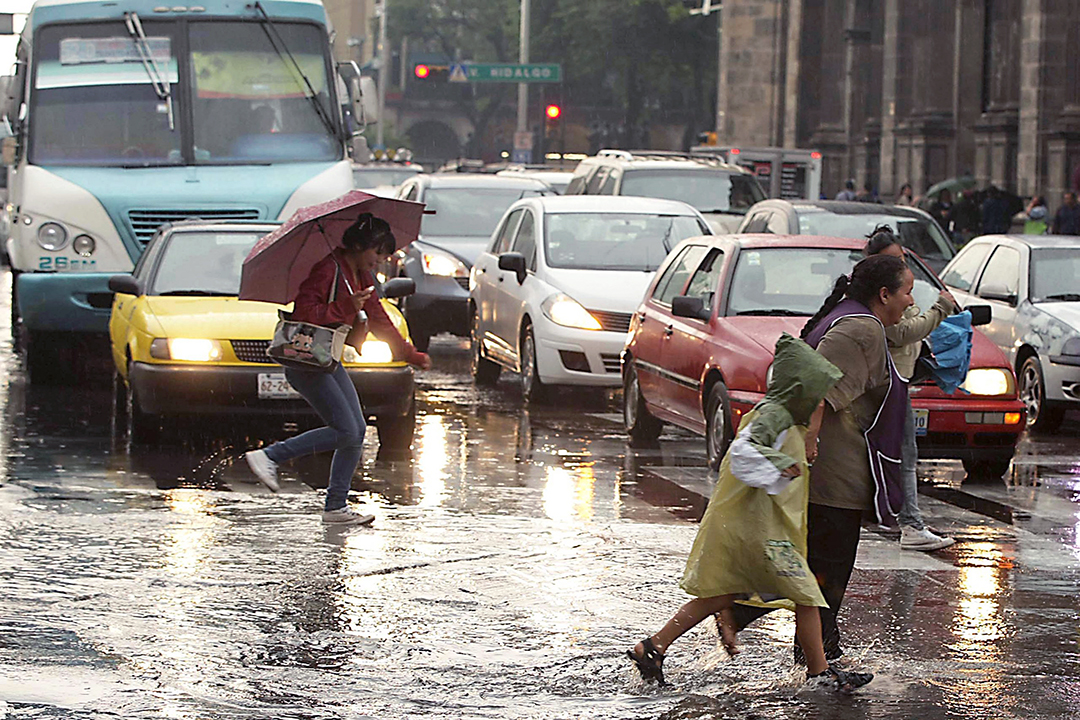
(862, 418)
(905, 343)
(332, 395)
(751, 544)
(1067, 218)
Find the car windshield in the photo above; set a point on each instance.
(796, 281)
(614, 241)
(374, 177)
(918, 234)
(202, 263)
(1055, 274)
(710, 191)
(468, 211)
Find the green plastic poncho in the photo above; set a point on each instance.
(752, 540)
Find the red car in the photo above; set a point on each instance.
(700, 347)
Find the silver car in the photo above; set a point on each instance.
(1032, 282)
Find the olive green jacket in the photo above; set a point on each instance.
(905, 338)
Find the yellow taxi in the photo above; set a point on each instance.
(185, 346)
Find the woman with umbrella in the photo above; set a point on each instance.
(363, 245)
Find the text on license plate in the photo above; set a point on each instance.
(922, 419)
(274, 386)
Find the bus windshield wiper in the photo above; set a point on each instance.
(159, 80)
(282, 52)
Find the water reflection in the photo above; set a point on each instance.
(568, 493)
(432, 458)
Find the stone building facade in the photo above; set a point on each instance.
(895, 91)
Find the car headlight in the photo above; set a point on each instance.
(443, 264)
(52, 236)
(988, 381)
(186, 349)
(372, 352)
(566, 311)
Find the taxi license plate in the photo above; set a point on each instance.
(922, 419)
(274, 386)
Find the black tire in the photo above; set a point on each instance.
(396, 434)
(143, 428)
(533, 390)
(987, 470)
(485, 372)
(642, 428)
(718, 430)
(421, 338)
(1042, 417)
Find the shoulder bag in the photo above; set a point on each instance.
(304, 346)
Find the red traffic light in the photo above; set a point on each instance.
(553, 112)
(421, 71)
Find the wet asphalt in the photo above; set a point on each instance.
(514, 557)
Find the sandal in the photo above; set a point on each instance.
(839, 680)
(650, 665)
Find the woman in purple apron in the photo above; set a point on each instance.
(857, 433)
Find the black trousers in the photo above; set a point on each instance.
(832, 541)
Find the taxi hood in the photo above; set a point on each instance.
(214, 318)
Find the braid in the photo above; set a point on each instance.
(839, 290)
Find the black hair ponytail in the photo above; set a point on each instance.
(367, 232)
(839, 290)
(866, 280)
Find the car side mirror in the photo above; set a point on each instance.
(689, 307)
(125, 285)
(515, 262)
(980, 314)
(997, 292)
(398, 287)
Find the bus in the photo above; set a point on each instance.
(123, 116)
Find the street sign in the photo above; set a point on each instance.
(510, 72)
(521, 156)
(457, 73)
(523, 140)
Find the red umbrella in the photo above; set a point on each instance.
(282, 260)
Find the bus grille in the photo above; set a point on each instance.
(144, 223)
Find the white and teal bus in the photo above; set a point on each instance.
(128, 114)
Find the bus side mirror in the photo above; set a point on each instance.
(363, 94)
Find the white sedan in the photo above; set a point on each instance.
(552, 294)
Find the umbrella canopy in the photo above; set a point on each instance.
(954, 185)
(282, 260)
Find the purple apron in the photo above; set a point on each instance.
(885, 436)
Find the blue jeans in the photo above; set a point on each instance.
(909, 458)
(334, 398)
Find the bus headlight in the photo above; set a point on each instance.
(52, 236)
(84, 245)
(186, 349)
(987, 381)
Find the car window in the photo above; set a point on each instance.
(607, 187)
(470, 211)
(614, 241)
(678, 273)
(593, 185)
(962, 273)
(706, 279)
(710, 191)
(146, 261)
(1003, 271)
(777, 224)
(202, 263)
(506, 232)
(525, 242)
(917, 233)
(576, 184)
(1054, 274)
(757, 223)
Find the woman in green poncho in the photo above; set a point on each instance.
(751, 545)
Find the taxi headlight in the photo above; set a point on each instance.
(566, 311)
(52, 236)
(988, 381)
(372, 352)
(186, 349)
(443, 264)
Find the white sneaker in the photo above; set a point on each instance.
(264, 468)
(346, 516)
(912, 539)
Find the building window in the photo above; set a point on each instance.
(1001, 56)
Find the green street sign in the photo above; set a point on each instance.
(510, 72)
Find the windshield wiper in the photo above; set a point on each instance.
(275, 41)
(722, 212)
(197, 293)
(158, 79)
(1070, 297)
(774, 311)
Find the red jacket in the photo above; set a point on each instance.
(312, 305)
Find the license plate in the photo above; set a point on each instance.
(274, 386)
(922, 419)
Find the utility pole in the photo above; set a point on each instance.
(523, 57)
(384, 73)
(707, 8)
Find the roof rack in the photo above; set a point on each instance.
(662, 155)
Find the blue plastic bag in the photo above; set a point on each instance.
(951, 342)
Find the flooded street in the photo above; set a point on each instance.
(512, 561)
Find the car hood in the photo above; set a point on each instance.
(1066, 312)
(464, 247)
(613, 290)
(765, 331)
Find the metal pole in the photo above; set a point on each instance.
(523, 57)
(384, 73)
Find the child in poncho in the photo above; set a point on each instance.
(751, 545)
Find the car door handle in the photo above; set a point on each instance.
(641, 316)
(668, 331)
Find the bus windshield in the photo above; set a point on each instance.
(95, 101)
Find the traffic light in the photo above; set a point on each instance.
(552, 112)
(431, 73)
